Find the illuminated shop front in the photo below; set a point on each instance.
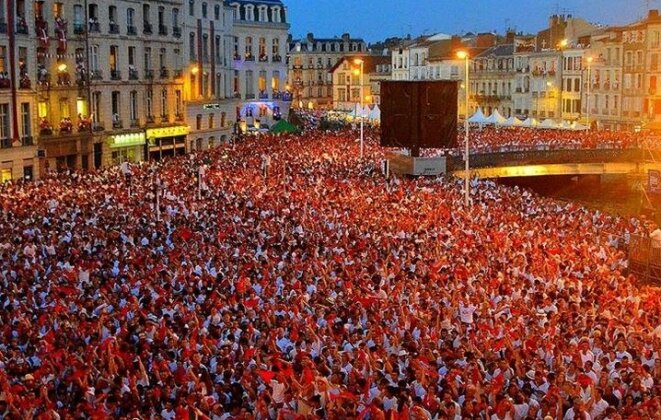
(167, 141)
(128, 147)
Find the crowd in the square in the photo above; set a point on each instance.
(315, 288)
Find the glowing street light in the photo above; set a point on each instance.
(463, 55)
(361, 63)
(62, 68)
(195, 70)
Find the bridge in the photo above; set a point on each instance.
(525, 163)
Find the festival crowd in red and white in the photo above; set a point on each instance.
(315, 289)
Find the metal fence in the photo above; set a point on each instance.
(645, 258)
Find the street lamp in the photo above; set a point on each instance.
(463, 55)
(590, 60)
(360, 62)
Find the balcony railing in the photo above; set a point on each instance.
(135, 123)
(176, 32)
(96, 75)
(79, 28)
(115, 75)
(164, 73)
(249, 57)
(22, 28)
(178, 74)
(276, 59)
(131, 30)
(5, 143)
(117, 124)
(147, 28)
(133, 74)
(263, 95)
(94, 27)
(250, 96)
(113, 28)
(263, 58)
(162, 30)
(149, 74)
(27, 141)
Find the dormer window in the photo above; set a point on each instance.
(275, 14)
(263, 14)
(250, 13)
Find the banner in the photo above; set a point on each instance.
(654, 181)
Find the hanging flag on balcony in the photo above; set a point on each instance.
(42, 32)
(61, 31)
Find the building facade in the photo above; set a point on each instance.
(347, 80)
(18, 153)
(259, 49)
(310, 60)
(210, 106)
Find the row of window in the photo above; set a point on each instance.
(118, 106)
(247, 13)
(5, 125)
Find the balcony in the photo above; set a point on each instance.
(297, 67)
(250, 57)
(3, 27)
(535, 94)
(149, 74)
(176, 32)
(164, 73)
(263, 58)
(96, 75)
(162, 30)
(147, 28)
(133, 74)
(278, 59)
(131, 30)
(78, 28)
(135, 123)
(117, 123)
(113, 28)
(237, 95)
(5, 143)
(150, 119)
(25, 82)
(94, 27)
(250, 96)
(115, 75)
(263, 95)
(165, 119)
(179, 117)
(178, 74)
(27, 141)
(63, 79)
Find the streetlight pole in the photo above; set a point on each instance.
(464, 55)
(362, 119)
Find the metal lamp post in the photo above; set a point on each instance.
(590, 59)
(463, 55)
(360, 62)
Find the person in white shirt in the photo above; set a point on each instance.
(597, 404)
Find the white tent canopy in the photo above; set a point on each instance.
(478, 117)
(375, 114)
(530, 122)
(579, 127)
(548, 123)
(512, 122)
(495, 118)
(564, 125)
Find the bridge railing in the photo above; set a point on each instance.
(542, 157)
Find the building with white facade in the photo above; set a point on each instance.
(259, 50)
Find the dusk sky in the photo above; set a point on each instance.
(378, 19)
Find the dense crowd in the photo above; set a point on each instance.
(491, 139)
(315, 288)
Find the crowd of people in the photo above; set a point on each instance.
(313, 287)
(493, 139)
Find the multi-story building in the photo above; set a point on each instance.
(18, 155)
(492, 76)
(634, 97)
(382, 73)
(653, 76)
(210, 107)
(107, 79)
(310, 59)
(545, 84)
(347, 79)
(259, 49)
(572, 69)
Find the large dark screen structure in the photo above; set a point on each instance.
(419, 115)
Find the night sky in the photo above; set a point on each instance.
(378, 19)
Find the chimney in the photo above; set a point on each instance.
(310, 37)
(509, 37)
(346, 37)
(653, 14)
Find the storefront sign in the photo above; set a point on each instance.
(211, 106)
(176, 131)
(127, 140)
